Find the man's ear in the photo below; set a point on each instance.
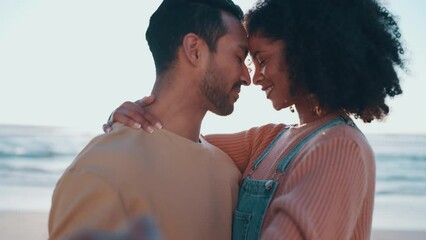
(193, 45)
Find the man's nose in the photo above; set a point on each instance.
(245, 76)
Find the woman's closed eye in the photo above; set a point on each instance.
(261, 62)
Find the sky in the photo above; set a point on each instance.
(71, 62)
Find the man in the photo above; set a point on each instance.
(189, 186)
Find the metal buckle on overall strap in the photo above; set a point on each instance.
(275, 178)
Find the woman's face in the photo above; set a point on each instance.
(271, 70)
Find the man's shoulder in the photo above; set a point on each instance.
(119, 149)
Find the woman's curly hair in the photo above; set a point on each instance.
(344, 52)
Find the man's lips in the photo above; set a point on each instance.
(236, 87)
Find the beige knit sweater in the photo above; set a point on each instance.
(190, 189)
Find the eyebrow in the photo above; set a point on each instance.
(256, 53)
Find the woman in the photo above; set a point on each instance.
(330, 59)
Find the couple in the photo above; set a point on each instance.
(330, 59)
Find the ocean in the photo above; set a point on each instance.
(33, 158)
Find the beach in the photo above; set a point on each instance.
(33, 225)
(23, 225)
(398, 235)
(32, 159)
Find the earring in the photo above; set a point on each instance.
(313, 100)
(291, 109)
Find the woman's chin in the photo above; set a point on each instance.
(280, 105)
(277, 106)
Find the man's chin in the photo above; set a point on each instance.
(225, 111)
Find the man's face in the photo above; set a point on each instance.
(226, 71)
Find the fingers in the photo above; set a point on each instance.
(107, 127)
(127, 115)
(148, 120)
(135, 116)
(146, 101)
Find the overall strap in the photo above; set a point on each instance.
(283, 165)
(268, 149)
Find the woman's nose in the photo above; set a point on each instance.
(258, 75)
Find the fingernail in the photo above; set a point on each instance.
(150, 129)
(137, 125)
(108, 129)
(158, 125)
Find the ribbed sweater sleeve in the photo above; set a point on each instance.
(245, 146)
(323, 195)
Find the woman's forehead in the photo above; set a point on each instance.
(257, 43)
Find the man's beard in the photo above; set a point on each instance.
(213, 87)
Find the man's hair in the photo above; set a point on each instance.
(176, 18)
(344, 52)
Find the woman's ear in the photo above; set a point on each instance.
(192, 46)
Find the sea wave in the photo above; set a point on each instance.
(40, 142)
(18, 153)
(27, 154)
(7, 168)
(414, 157)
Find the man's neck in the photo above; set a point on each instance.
(178, 112)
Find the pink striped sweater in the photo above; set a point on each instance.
(328, 190)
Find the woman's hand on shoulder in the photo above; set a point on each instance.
(134, 115)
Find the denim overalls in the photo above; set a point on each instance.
(255, 195)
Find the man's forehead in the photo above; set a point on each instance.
(230, 44)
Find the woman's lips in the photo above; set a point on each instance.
(268, 90)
